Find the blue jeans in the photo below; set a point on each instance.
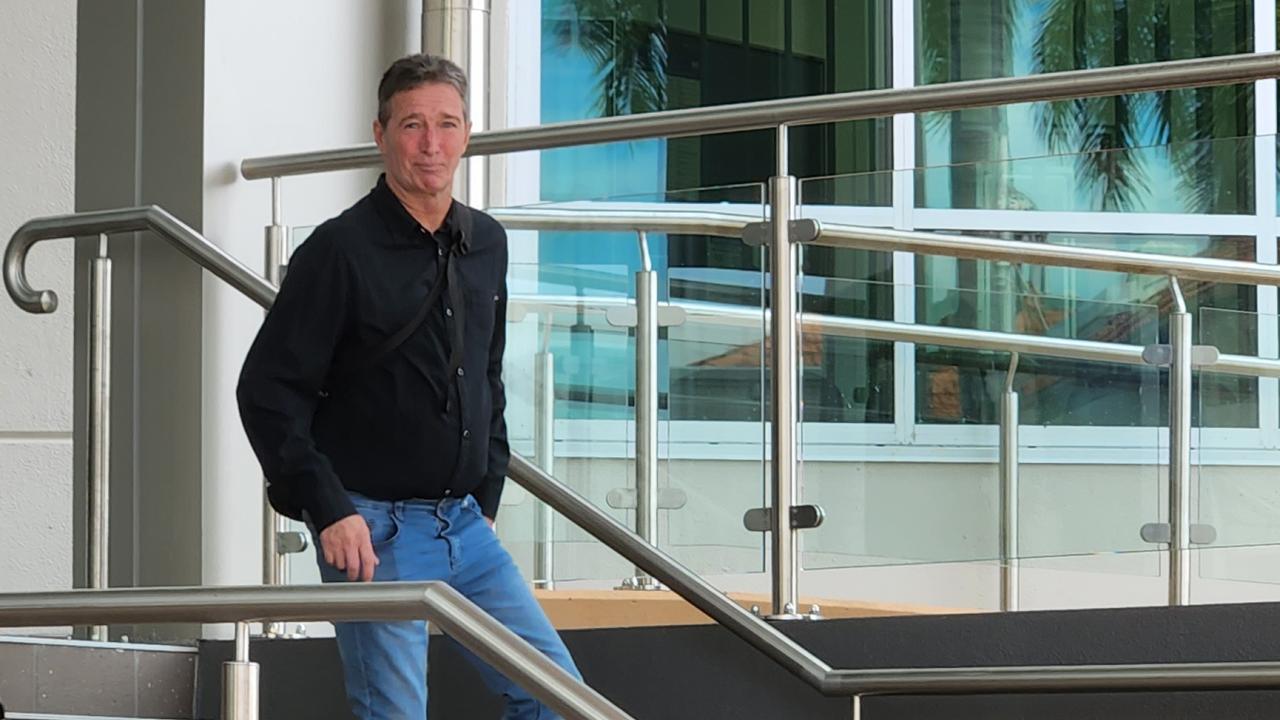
(386, 662)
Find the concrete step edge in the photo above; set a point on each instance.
(58, 716)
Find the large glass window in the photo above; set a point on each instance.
(1179, 151)
(884, 424)
(617, 57)
(964, 387)
(1185, 151)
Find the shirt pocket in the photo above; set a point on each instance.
(482, 308)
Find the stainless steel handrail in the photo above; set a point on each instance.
(43, 609)
(136, 219)
(782, 237)
(1015, 251)
(103, 223)
(783, 324)
(884, 240)
(722, 224)
(1224, 70)
(583, 217)
(891, 331)
(732, 225)
(507, 652)
(808, 667)
(436, 602)
(684, 582)
(1055, 679)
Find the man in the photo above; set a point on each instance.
(373, 396)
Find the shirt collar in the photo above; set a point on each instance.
(456, 228)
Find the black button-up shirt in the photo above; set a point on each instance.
(324, 412)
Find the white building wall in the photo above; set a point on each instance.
(287, 76)
(37, 152)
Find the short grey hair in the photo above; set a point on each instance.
(415, 71)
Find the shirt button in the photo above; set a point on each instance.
(440, 252)
(448, 492)
(466, 433)
(448, 312)
(461, 372)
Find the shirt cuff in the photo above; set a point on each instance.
(327, 504)
(489, 495)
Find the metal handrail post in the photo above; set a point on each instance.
(1179, 450)
(459, 30)
(684, 582)
(646, 432)
(275, 566)
(240, 679)
(544, 442)
(1009, 492)
(99, 471)
(276, 238)
(783, 361)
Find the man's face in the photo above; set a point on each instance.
(424, 138)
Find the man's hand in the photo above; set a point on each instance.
(347, 546)
(490, 521)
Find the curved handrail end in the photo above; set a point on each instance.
(37, 302)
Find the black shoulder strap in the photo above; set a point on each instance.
(378, 353)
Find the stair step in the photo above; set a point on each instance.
(55, 678)
(582, 609)
(46, 716)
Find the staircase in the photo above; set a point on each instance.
(690, 671)
(702, 672)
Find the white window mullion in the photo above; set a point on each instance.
(1264, 15)
(522, 171)
(904, 199)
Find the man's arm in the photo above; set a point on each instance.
(284, 372)
(278, 391)
(490, 491)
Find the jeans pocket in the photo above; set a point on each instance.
(383, 526)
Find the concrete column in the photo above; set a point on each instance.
(139, 121)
